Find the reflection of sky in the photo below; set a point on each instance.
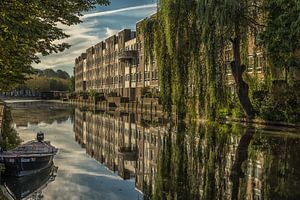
(97, 25)
(79, 176)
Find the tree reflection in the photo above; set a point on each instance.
(240, 157)
(193, 160)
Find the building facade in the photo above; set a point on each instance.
(116, 67)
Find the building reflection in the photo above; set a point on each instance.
(199, 161)
(122, 142)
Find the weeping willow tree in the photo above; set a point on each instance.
(191, 78)
(214, 68)
(234, 19)
(148, 27)
(189, 42)
(175, 51)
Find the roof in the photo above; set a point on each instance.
(31, 148)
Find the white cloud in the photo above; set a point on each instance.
(110, 32)
(95, 28)
(110, 12)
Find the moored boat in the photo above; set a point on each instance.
(28, 158)
(28, 187)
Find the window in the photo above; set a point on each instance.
(258, 171)
(260, 63)
(251, 63)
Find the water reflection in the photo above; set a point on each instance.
(193, 160)
(79, 176)
(241, 156)
(35, 112)
(28, 187)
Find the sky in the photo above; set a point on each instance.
(97, 25)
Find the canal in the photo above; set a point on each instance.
(116, 155)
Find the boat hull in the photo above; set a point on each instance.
(23, 166)
(28, 187)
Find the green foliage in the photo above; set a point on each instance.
(231, 23)
(281, 36)
(282, 105)
(2, 196)
(190, 163)
(237, 112)
(148, 27)
(94, 94)
(50, 73)
(163, 62)
(162, 180)
(10, 137)
(29, 28)
(38, 83)
(58, 84)
(190, 39)
(62, 74)
(258, 98)
(174, 49)
(43, 84)
(147, 93)
(72, 84)
(48, 80)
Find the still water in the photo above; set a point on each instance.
(115, 155)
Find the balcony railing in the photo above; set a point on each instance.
(127, 55)
(128, 153)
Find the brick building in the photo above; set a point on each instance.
(116, 66)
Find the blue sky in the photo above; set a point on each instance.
(97, 25)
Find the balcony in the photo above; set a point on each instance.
(128, 55)
(127, 153)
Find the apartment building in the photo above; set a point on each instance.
(116, 66)
(80, 67)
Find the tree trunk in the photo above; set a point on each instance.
(242, 87)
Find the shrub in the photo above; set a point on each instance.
(10, 137)
(281, 106)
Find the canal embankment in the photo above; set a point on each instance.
(152, 110)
